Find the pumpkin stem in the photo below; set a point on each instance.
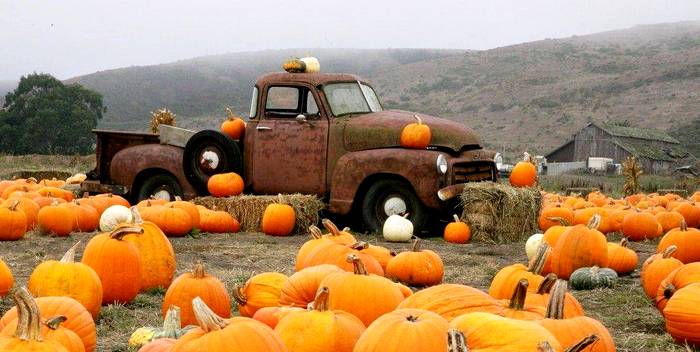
(172, 319)
(454, 216)
(547, 284)
(13, 206)
(670, 250)
(206, 318)
(136, 216)
(561, 221)
(198, 270)
(420, 121)
(321, 300)
(684, 226)
(358, 246)
(330, 226)
(178, 199)
(239, 296)
(594, 222)
(456, 341)
(69, 257)
(405, 215)
(31, 180)
(315, 232)
(416, 245)
(279, 198)
(120, 232)
(555, 307)
(581, 345)
(544, 346)
(357, 265)
(624, 242)
(537, 263)
(669, 291)
(517, 301)
(28, 323)
(55, 322)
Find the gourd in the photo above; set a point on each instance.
(397, 228)
(113, 216)
(294, 65)
(171, 329)
(592, 278)
(416, 135)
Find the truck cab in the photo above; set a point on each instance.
(324, 134)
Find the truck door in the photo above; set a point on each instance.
(290, 143)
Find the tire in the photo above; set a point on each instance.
(159, 183)
(376, 197)
(227, 153)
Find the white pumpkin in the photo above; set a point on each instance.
(312, 64)
(397, 229)
(113, 216)
(532, 244)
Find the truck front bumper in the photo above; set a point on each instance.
(95, 187)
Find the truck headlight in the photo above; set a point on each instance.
(441, 164)
(498, 159)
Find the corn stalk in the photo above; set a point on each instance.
(632, 171)
(161, 117)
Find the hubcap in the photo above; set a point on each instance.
(394, 206)
(162, 194)
(209, 160)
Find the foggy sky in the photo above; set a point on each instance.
(73, 37)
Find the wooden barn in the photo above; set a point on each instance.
(656, 150)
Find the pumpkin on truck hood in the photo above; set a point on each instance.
(382, 129)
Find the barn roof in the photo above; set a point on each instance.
(669, 152)
(636, 132)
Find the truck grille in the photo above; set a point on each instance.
(474, 171)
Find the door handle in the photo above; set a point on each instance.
(263, 128)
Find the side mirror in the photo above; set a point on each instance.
(301, 118)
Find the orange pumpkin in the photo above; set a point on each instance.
(271, 316)
(682, 313)
(405, 330)
(342, 237)
(217, 222)
(13, 222)
(490, 332)
(524, 173)
(196, 284)
(27, 337)
(278, 219)
(507, 279)
(690, 212)
(686, 241)
(156, 254)
(553, 216)
(416, 135)
(452, 300)
(572, 307)
(418, 267)
(457, 231)
(262, 290)
(578, 247)
(26, 205)
(638, 226)
(676, 280)
(173, 221)
(56, 219)
(190, 208)
(85, 217)
(7, 280)
(656, 268)
(158, 345)
(517, 308)
(620, 258)
(225, 185)
(234, 126)
(300, 289)
(330, 252)
(669, 220)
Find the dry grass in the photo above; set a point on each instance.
(44, 166)
(633, 321)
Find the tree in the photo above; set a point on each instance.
(45, 116)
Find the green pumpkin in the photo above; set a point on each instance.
(594, 277)
(171, 329)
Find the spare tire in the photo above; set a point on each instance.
(208, 153)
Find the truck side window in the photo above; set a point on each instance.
(288, 102)
(311, 107)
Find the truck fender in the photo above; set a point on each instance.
(128, 163)
(415, 166)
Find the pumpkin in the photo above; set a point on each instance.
(690, 212)
(452, 300)
(196, 284)
(190, 208)
(237, 334)
(218, 222)
(580, 246)
(113, 216)
(51, 329)
(553, 216)
(171, 329)
(46, 201)
(676, 280)
(117, 262)
(234, 126)
(294, 65)
(524, 173)
(416, 135)
(656, 268)
(669, 220)
(312, 64)
(506, 280)
(26, 205)
(490, 332)
(682, 313)
(85, 217)
(225, 185)
(78, 319)
(365, 295)
(551, 236)
(517, 308)
(593, 277)
(56, 219)
(271, 316)
(533, 242)
(342, 237)
(113, 199)
(457, 231)
(7, 280)
(418, 267)
(397, 228)
(541, 298)
(320, 329)
(278, 219)
(261, 290)
(330, 252)
(70, 279)
(569, 331)
(620, 258)
(160, 345)
(317, 240)
(300, 288)
(156, 254)
(173, 221)
(686, 241)
(638, 226)
(405, 330)
(381, 254)
(76, 179)
(27, 336)
(13, 222)
(56, 192)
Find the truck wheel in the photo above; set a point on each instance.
(388, 197)
(208, 153)
(160, 186)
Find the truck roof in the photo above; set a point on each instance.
(310, 78)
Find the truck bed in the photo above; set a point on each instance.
(110, 143)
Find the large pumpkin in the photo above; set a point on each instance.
(490, 332)
(13, 222)
(686, 240)
(225, 185)
(541, 298)
(580, 246)
(342, 237)
(416, 135)
(156, 253)
(68, 278)
(686, 275)
(682, 314)
(27, 337)
(517, 308)
(331, 252)
(237, 334)
(656, 268)
(320, 329)
(261, 290)
(278, 219)
(451, 300)
(117, 262)
(300, 288)
(690, 212)
(196, 284)
(621, 258)
(638, 226)
(365, 295)
(52, 330)
(506, 280)
(553, 216)
(416, 267)
(415, 330)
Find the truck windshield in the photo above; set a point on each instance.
(351, 98)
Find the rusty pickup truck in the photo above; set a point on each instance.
(313, 133)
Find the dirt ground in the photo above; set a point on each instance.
(631, 318)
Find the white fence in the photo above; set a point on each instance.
(561, 168)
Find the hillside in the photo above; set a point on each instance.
(528, 96)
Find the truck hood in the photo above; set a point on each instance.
(383, 129)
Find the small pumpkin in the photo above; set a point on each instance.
(56, 219)
(621, 258)
(656, 268)
(173, 221)
(397, 228)
(416, 135)
(690, 212)
(278, 219)
(225, 185)
(171, 329)
(507, 279)
(457, 231)
(669, 220)
(294, 65)
(261, 290)
(233, 126)
(592, 278)
(300, 288)
(13, 223)
(418, 267)
(28, 206)
(524, 173)
(27, 336)
(196, 283)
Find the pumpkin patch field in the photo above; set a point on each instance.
(605, 274)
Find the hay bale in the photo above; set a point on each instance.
(499, 213)
(248, 209)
